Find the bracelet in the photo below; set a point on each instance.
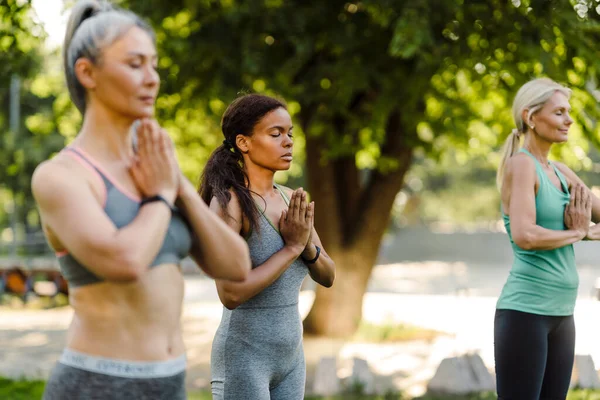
(314, 260)
(156, 197)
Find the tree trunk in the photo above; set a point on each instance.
(337, 311)
(351, 235)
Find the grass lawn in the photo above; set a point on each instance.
(392, 332)
(32, 390)
(20, 390)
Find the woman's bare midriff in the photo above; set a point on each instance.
(138, 321)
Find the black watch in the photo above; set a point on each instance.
(314, 260)
(156, 197)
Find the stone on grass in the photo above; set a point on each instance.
(585, 375)
(461, 375)
(362, 375)
(326, 381)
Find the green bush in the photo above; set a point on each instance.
(21, 389)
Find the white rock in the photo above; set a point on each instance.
(461, 375)
(326, 381)
(585, 375)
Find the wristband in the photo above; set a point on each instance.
(314, 260)
(156, 197)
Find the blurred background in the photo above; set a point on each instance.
(401, 109)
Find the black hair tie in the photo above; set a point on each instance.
(228, 144)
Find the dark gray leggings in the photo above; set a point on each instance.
(534, 355)
(69, 383)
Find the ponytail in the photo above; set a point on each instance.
(531, 97)
(92, 25)
(82, 10)
(511, 146)
(223, 172)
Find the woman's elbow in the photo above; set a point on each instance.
(125, 277)
(326, 279)
(525, 241)
(230, 305)
(230, 300)
(129, 272)
(328, 282)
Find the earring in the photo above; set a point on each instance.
(532, 127)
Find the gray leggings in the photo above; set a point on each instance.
(69, 383)
(249, 383)
(257, 354)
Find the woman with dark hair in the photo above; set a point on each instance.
(109, 214)
(257, 351)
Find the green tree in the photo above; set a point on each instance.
(374, 84)
(23, 61)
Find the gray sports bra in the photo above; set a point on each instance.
(122, 208)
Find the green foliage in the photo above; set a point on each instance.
(461, 193)
(20, 38)
(392, 332)
(21, 390)
(437, 192)
(22, 55)
(581, 394)
(449, 67)
(199, 396)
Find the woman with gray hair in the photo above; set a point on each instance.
(546, 208)
(121, 220)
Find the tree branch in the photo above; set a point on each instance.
(324, 191)
(381, 190)
(321, 180)
(346, 180)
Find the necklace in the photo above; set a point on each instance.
(544, 162)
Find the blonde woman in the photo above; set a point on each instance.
(110, 215)
(546, 208)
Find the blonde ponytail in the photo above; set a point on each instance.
(511, 146)
(531, 97)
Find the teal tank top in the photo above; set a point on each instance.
(543, 282)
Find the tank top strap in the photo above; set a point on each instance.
(283, 194)
(109, 181)
(79, 156)
(538, 166)
(524, 150)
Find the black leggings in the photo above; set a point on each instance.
(534, 355)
